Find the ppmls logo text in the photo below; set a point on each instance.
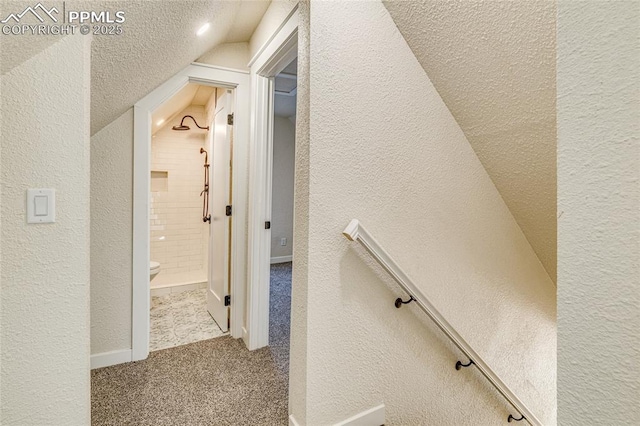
(57, 20)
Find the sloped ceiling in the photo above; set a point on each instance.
(159, 40)
(493, 63)
(191, 94)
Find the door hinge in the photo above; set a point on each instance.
(227, 211)
(230, 119)
(267, 225)
(227, 300)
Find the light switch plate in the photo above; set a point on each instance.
(41, 205)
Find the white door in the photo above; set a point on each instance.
(219, 199)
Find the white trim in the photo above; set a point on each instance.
(201, 74)
(269, 42)
(218, 67)
(178, 288)
(292, 421)
(272, 58)
(281, 259)
(106, 359)
(371, 417)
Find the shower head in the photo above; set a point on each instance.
(183, 127)
(206, 157)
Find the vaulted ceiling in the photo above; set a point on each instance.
(159, 39)
(493, 64)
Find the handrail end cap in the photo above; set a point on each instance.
(351, 231)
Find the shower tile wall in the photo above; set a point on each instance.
(179, 237)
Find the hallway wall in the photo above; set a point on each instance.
(284, 132)
(598, 207)
(298, 383)
(45, 267)
(111, 230)
(386, 150)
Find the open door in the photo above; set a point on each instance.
(220, 201)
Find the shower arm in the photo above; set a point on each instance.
(194, 120)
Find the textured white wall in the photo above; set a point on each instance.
(179, 237)
(16, 50)
(598, 203)
(386, 150)
(1, 139)
(45, 268)
(284, 133)
(300, 274)
(111, 230)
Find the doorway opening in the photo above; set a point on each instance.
(190, 228)
(224, 284)
(282, 170)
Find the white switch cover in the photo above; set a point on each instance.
(41, 205)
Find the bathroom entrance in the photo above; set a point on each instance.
(190, 216)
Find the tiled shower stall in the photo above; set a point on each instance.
(179, 237)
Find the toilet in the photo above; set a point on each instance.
(154, 269)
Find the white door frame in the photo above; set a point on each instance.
(277, 53)
(205, 75)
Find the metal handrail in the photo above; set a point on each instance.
(356, 232)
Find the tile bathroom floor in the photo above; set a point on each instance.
(181, 318)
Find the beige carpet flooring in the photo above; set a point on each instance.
(212, 382)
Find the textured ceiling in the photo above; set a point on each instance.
(493, 63)
(159, 40)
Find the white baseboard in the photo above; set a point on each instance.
(292, 421)
(245, 337)
(281, 259)
(177, 288)
(371, 417)
(106, 359)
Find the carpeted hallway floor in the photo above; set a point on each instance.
(212, 382)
